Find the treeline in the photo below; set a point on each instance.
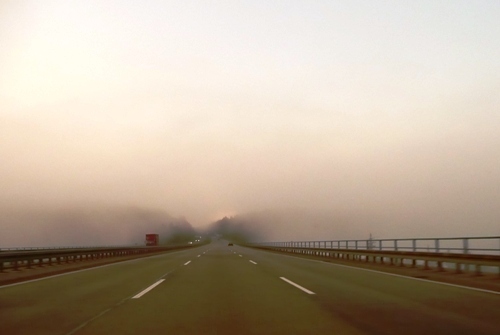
(90, 225)
(235, 229)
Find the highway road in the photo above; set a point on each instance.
(219, 289)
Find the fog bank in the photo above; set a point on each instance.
(89, 226)
(323, 119)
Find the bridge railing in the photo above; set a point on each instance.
(458, 253)
(489, 245)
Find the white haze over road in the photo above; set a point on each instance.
(321, 120)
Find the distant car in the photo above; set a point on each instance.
(229, 244)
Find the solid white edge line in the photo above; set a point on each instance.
(140, 294)
(187, 262)
(297, 286)
(396, 275)
(253, 262)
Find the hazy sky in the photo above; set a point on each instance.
(384, 111)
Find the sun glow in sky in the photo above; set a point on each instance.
(386, 108)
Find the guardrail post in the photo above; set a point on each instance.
(436, 243)
(466, 245)
(356, 244)
(380, 245)
(414, 245)
(396, 245)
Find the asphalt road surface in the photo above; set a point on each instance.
(219, 289)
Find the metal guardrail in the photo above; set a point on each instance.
(15, 259)
(62, 248)
(489, 245)
(457, 253)
(441, 261)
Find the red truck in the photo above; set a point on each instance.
(152, 240)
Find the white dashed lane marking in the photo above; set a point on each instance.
(297, 286)
(140, 294)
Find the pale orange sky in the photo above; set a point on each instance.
(385, 110)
